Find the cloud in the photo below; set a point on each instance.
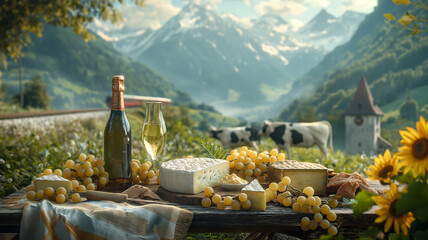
(210, 4)
(295, 24)
(358, 5)
(152, 15)
(241, 21)
(280, 7)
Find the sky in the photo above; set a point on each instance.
(296, 12)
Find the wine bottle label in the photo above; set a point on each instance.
(118, 87)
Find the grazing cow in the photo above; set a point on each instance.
(286, 134)
(233, 137)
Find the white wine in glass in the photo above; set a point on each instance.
(154, 130)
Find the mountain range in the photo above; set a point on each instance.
(394, 64)
(78, 73)
(236, 68)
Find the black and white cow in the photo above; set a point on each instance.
(286, 134)
(233, 137)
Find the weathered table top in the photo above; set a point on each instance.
(275, 219)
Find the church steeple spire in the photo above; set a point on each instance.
(363, 102)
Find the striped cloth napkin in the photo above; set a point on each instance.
(103, 220)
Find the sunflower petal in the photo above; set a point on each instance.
(396, 226)
(388, 224)
(387, 155)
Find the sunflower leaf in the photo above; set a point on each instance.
(364, 202)
(415, 198)
(405, 178)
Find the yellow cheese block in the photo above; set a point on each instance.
(302, 174)
(53, 181)
(256, 194)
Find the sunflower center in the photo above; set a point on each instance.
(392, 209)
(420, 148)
(383, 173)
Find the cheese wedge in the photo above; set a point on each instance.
(302, 174)
(192, 175)
(53, 181)
(256, 194)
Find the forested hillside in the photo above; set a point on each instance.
(78, 73)
(393, 63)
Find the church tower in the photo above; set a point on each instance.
(362, 123)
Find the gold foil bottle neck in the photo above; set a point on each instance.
(118, 83)
(118, 87)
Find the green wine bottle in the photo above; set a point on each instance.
(117, 137)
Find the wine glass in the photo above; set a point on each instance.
(154, 130)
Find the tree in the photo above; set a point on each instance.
(308, 115)
(409, 109)
(20, 18)
(419, 23)
(36, 94)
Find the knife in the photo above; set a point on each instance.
(118, 197)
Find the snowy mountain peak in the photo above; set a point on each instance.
(322, 16)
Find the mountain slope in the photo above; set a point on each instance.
(78, 74)
(392, 62)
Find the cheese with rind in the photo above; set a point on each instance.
(256, 194)
(302, 174)
(192, 175)
(53, 181)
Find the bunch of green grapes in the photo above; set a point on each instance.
(141, 172)
(86, 173)
(249, 165)
(222, 203)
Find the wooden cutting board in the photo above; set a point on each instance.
(192, 199)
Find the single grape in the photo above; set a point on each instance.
(135, 180)
(333, 203)
(221, 205)
(60, 198)
(58, 172)
(74, 184)
(90, 186)
(145, 167)
(69, 163)
(257, 172)
(265, 158)
(216, 198)
(228, 200)
(301, 200)
(208, 191)
(86, 165)
(305, 221)
(81, 188)
(332, 230)
(309, 191)
(261, 179)
(286, 180)
(297, 207)
(31, 195)
(287, 202)
(243, 154)
(66, 173)
(306, 208)
(134, 166)
(81, 172)
(102, 180)
(61, 190)
(273, 159)
(281, 157)
(247, 160)
(313, 225)
(242, 197)
(331, 216)
(252, 154)
(325, 209)
(317, 201)
(96, 171)
(258, 161)
(82, 157)
(251, 166)
(100, 162)
(49, 191)
(76, 198)
(246, 204)
(151, 174)
(324, 224)
(274, 152)
(318, 217)
(239, 166)
(77, 166)
(236, 205)
(311, 201)
(280, 198)
(316, 209)
(273, 187)
(87, 180)
(104, 174)
(206, 202)
(273, 195)
(263, 167)
(47, 171)
(281, 187)
(40, 194)
(248, 172)
(89, 172)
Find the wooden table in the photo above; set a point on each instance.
(275, 219)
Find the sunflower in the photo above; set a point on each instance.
(387, 211)
(384, 168)
(414, 152)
